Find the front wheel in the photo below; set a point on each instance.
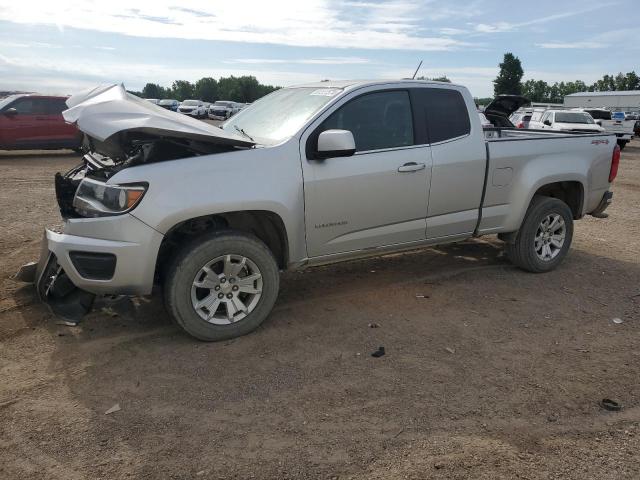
(222, 286)
(544, 237)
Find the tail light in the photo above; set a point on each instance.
(615, 161)
(520, 125)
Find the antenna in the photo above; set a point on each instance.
(416, 72)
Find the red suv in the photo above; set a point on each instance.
(35, 122)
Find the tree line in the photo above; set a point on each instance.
(243, 89)
(509, 81)
(247, 88)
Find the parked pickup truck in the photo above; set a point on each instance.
(612, 122)
(305, 176)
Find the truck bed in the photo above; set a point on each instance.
(497, 134)
(519, 161)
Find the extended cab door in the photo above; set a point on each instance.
(376, 197)
(459, 159)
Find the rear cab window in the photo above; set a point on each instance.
(444, 113)
(599, 114)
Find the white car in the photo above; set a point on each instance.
(566, 121)
(193, 108)
(223, 109)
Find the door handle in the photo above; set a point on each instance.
(411, 167)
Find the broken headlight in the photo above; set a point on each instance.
(94, 198)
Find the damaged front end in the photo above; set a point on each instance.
(121, 131)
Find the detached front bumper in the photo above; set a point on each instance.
(95, 256)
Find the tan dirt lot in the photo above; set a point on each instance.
(496, 373)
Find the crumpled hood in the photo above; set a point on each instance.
(104, 111)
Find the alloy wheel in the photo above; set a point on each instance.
(226, 289)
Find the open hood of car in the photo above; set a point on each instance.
(105, 111)
(505, 105)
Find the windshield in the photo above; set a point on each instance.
(281, 114)
(6, 101)
(191, 102)
(222, 104)
(166, 102)
(573, 117)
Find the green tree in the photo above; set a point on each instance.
(182, 90)
(153, 90)
(442, 78)
(242, 89)
(536, 90)
(633, 81)
(206, 89)
(509, 79)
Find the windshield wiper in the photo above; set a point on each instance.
(241, 130)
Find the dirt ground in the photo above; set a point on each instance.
(495, 373)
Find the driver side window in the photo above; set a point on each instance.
(377, 120)
(30, 106)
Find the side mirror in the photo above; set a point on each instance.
(10, 111)
(547, 123)
(335, 143)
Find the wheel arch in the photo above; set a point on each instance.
(266, 225)
(570, 192)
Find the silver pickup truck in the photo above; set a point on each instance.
(307, 175)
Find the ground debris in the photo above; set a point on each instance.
(115, 408)
(378, 353)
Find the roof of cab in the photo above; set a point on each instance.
(350, 84)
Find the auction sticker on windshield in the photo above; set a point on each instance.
(326, 92)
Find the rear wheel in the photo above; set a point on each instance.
(222, 286)
(544, 237)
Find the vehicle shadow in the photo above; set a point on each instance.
(146, 316)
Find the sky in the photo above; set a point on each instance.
(61, 46)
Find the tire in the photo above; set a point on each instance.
(182, 295)
(622, 144)
(528, 247)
